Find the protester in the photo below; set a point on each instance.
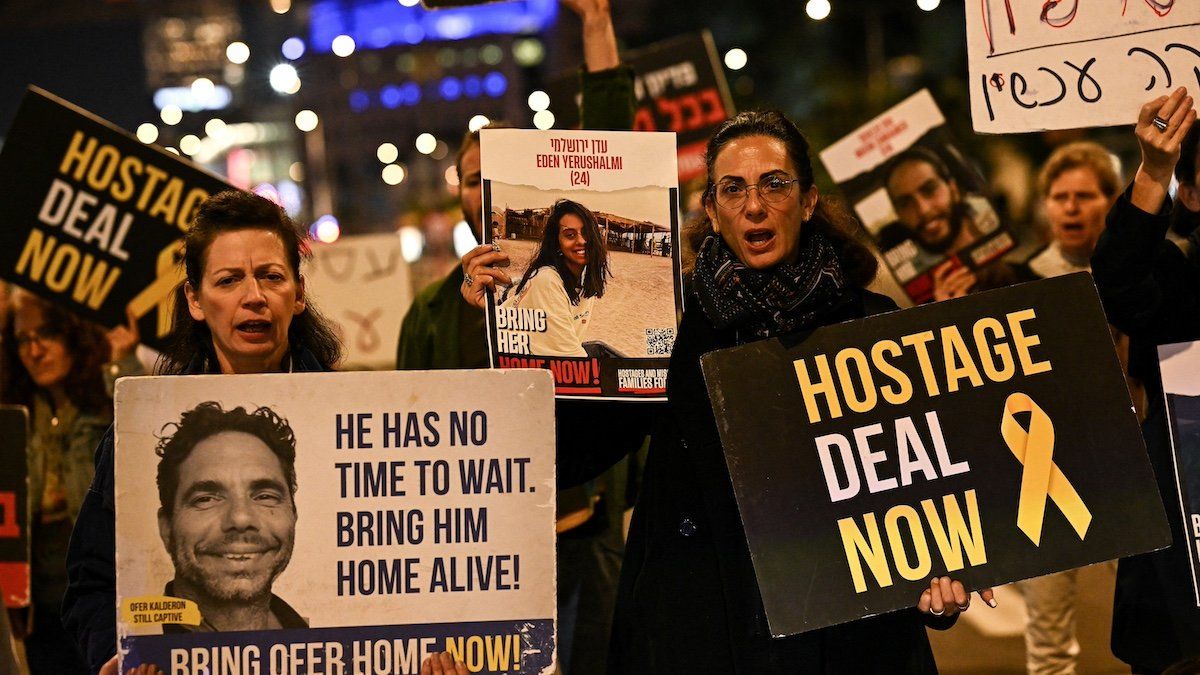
(565, 278)
(1151, 290)
(61, 368)
(688, 599)
(1078, 184)
(442, 331)
(242, 310)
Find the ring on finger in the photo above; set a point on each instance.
(962, 608)
(468, 279)
(1160, 123)
(943, 611)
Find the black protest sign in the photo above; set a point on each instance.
(680, 87)
(14, 506)
(989, 438)
(94, 216)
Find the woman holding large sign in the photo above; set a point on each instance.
(774, 260)
(242, 310)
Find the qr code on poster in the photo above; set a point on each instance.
(659, 341)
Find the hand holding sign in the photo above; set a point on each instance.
(481, 270)
(443, 664)
(947, 597)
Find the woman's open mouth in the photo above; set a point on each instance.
(254, 330)
(759, 240)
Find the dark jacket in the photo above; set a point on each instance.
(1151, 291)
(90, 608)
(689, 600)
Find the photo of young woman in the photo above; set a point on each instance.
(564, 279)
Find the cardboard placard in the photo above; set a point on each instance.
(1068, 64)
(989, 438)
(94, 216)
(680, 87)
(14, 506)
(362, 284)
(922, 202)
(614, 339)
(1179, 365)
(336, 522)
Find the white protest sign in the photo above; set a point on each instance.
(590, 221)
(336, 522)
(362, 284)
(1065, 64)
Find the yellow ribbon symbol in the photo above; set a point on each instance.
(160, 294)
(1041, 478)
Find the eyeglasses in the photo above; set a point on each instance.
(733, 194)
(41, 336)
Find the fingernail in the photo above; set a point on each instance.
(991, 602)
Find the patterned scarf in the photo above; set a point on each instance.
(776, 301)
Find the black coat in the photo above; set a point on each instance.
(1151, 291)
(688, 600)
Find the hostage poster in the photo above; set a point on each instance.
(1180, 365)
(94, 216)
(590, 223)
(336, 522)
(989, 438)
(14, 506)
(919, 198)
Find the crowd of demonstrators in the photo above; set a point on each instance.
(685, 596)
(61, 368)
(1150, 287)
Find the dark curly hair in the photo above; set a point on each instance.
(830, 217)
(190, 340)
(209, 419)
(84, 341)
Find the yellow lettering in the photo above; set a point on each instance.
(1005, 370)
(903, 390)
(94, 282)
(959, 363)
(77, 155)
(857, 546)
(38, 248)
(124, 190)
(841, 363)
(823, 386)
(891, 523)
(103, 167)
(167, 203)
(920, 343)
(62, 268)
(957, 535)
(1023, 342)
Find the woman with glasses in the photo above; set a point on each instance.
(773, 259)
(564, 280)
(62, 369)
